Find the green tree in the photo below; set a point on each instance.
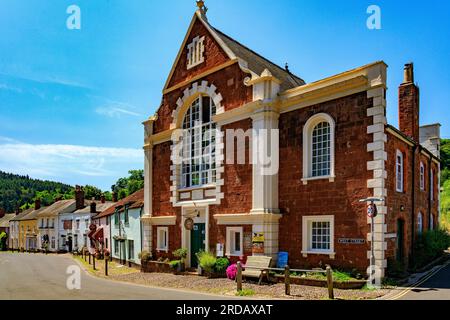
(129, 185)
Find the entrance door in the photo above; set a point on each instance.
(197, 242)
(400, 240)
(69, 243)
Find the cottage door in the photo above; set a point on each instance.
(197, 242)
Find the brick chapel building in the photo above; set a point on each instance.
(334, 148)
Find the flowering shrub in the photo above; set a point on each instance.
(232, 271)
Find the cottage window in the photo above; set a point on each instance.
(422, 176)
(116, 218)
(318, 148)
(196, 50)
(198, 166)
(127, 221)
(78, 224)
(399, 171)
(163, 239)
(420, 223)
(318, 235)
(234, 243)
(53, 243)
(116, 247)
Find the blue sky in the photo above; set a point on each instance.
(72, 101)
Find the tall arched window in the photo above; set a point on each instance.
(318, 148)
(199, 144)
(420, 223)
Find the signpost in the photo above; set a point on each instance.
(372, 212)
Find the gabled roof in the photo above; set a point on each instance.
(4, 221)
(100, 207)
(62, 206)
(249, 61)
(136, 200)
(22, 214)
(32, 215)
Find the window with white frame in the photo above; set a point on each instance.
(399, 171)
(318, 152)
(195, 55)
(422, 176)
(235, 240)
(318, 235)
(420, 223)
(198, 166)
(162, 238)
(432, 185)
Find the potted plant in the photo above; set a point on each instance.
(207, 261)
(175, 265)
(181, 254)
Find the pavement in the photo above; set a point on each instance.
(435, 285)
(25, 276)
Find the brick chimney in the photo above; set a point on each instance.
(408, 104)
(79, 197)
(93, 206)
(17, 211)
(102, 198)
(2, 213)
(37, 204)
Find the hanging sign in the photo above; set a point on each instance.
(372, 210)
(189, 224)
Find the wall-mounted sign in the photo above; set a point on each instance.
(351, 241)
(189, 223)
(258, 243)
(248, 243)
(219, 250)
(372, 210)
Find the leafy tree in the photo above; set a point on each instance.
(129, 185)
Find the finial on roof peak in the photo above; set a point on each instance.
(201, 6)
(286, 67)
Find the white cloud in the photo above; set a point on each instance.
(115, 112)
(7, 87)
(68, 163)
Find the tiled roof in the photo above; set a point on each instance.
(4, 221)
(58, 207)
(258, 63)
(136, 200)
(100, 207)
(32, 215)
(22, 214)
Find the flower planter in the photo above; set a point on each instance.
(344, 285)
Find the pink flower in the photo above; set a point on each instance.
(232, 271)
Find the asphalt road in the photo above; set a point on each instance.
(38, 277)
(435, 288)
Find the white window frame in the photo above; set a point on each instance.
(230, 242)
(161, 246)
(196, 50)
(308, 144)
(307, 222)
(422, 176)
(399, 179)
(420, 223)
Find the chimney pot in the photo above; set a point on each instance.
(408, 73)
(93, 207)
(114, 197)
(79, 197)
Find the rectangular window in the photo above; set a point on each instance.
(162, 238)
(234, 245)
(422, 176)
(85, 240)
(127, 220)
(399, 171)
(130, 250)
(75, 241)
(53, 243)
(116, 217)
(86, 222)
(106, 243)
(78, 224)
(48, 225)
(318, 235)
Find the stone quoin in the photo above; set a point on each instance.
(334, 148)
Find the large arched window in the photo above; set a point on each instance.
(318, 148)
(199, 144)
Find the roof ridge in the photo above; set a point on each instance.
(294, 76)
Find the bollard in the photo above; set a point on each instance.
(89, 257)
(330, 283)
(106, 266)
(239, 277)
(93, 261)
(287, 280)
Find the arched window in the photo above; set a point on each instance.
(198, 167)
(318, 149)
(420, 223)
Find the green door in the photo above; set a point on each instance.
(197, 242)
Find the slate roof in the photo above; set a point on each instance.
(258, 63)
(4, 221)
(32, 215)
(136, 200)
(63, 206)
(22, 214)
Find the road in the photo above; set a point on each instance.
(435, 288)
(39, 277)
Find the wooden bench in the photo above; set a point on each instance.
(257, 267)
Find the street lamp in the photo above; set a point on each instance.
(372, 212)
